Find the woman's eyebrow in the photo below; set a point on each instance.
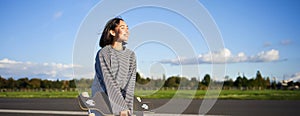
(123, 25)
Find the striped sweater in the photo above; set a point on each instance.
(115, 75)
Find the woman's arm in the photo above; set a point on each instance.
(113, 90)
(129, 88)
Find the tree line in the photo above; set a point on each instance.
(34, 83)
(240, 83)
(174, 82)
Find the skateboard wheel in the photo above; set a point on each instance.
(92, 114)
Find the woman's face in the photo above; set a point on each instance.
(122, 32)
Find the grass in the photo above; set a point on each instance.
(224, 94)
(167, 94)
(56, 94)
(262, 95)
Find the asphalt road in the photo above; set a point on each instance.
(221, 107)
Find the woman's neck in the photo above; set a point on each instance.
(117, 45)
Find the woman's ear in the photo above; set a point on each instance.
(112, 32)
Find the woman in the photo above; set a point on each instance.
(115, 68)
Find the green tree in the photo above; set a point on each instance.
(46, 84)
(244, 81)
(35, 83)
(193, 83)
(65, 84)
(251, 83)
(172, 82)
(273, 83)
(238, 82)
(138, 77)
(228, 83)
(72, 84)
(184, 82)
(141, 80)
(267, 83)
(23, 83)
(206, 80)
(57, 84)
(259, 81)
(3, 82)
(11, 83)
(158, 83)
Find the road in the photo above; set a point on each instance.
(49, 107)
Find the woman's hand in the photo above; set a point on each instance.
(125, 113)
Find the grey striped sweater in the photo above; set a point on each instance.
(115, 75)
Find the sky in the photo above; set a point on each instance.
(38, 37)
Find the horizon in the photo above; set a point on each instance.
(37, 40)
(157, 78)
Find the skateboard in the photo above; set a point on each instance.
(99, 103)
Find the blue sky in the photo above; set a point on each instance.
(37, 38)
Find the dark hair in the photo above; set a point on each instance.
(106, 37)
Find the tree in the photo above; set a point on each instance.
(193, 83)
(238, 82)
(138, 77)
(172, 82)
(72, 84)
(251, 83)
(65, 84)
(228, 83)
(267, 83)
(184, 82)
(141, 80)
(244, 81)
(46, 84)
(23, 83)
(11, 83)
(158, 83)
(35, 83)
(3, 82)
(290, 83)
(206, 80)
(57, 84)
(273, 83)
(259, 81)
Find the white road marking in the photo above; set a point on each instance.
(43, 112)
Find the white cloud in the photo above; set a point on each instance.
(267, 44)
(285, 42)
(7, 61)
(57, 15)
(268, 56)
(17, 69)
(225, 56)
(295, 77)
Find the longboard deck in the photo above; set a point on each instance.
(100, 103)
(97, 103)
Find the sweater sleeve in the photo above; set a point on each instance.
(129, 88)
(112, 88)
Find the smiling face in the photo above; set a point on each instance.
(121, 32)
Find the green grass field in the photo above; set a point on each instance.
(167, 94)
(224, 94)
(43, 94)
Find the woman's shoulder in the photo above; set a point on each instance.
(104, 50)
(130, 52)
